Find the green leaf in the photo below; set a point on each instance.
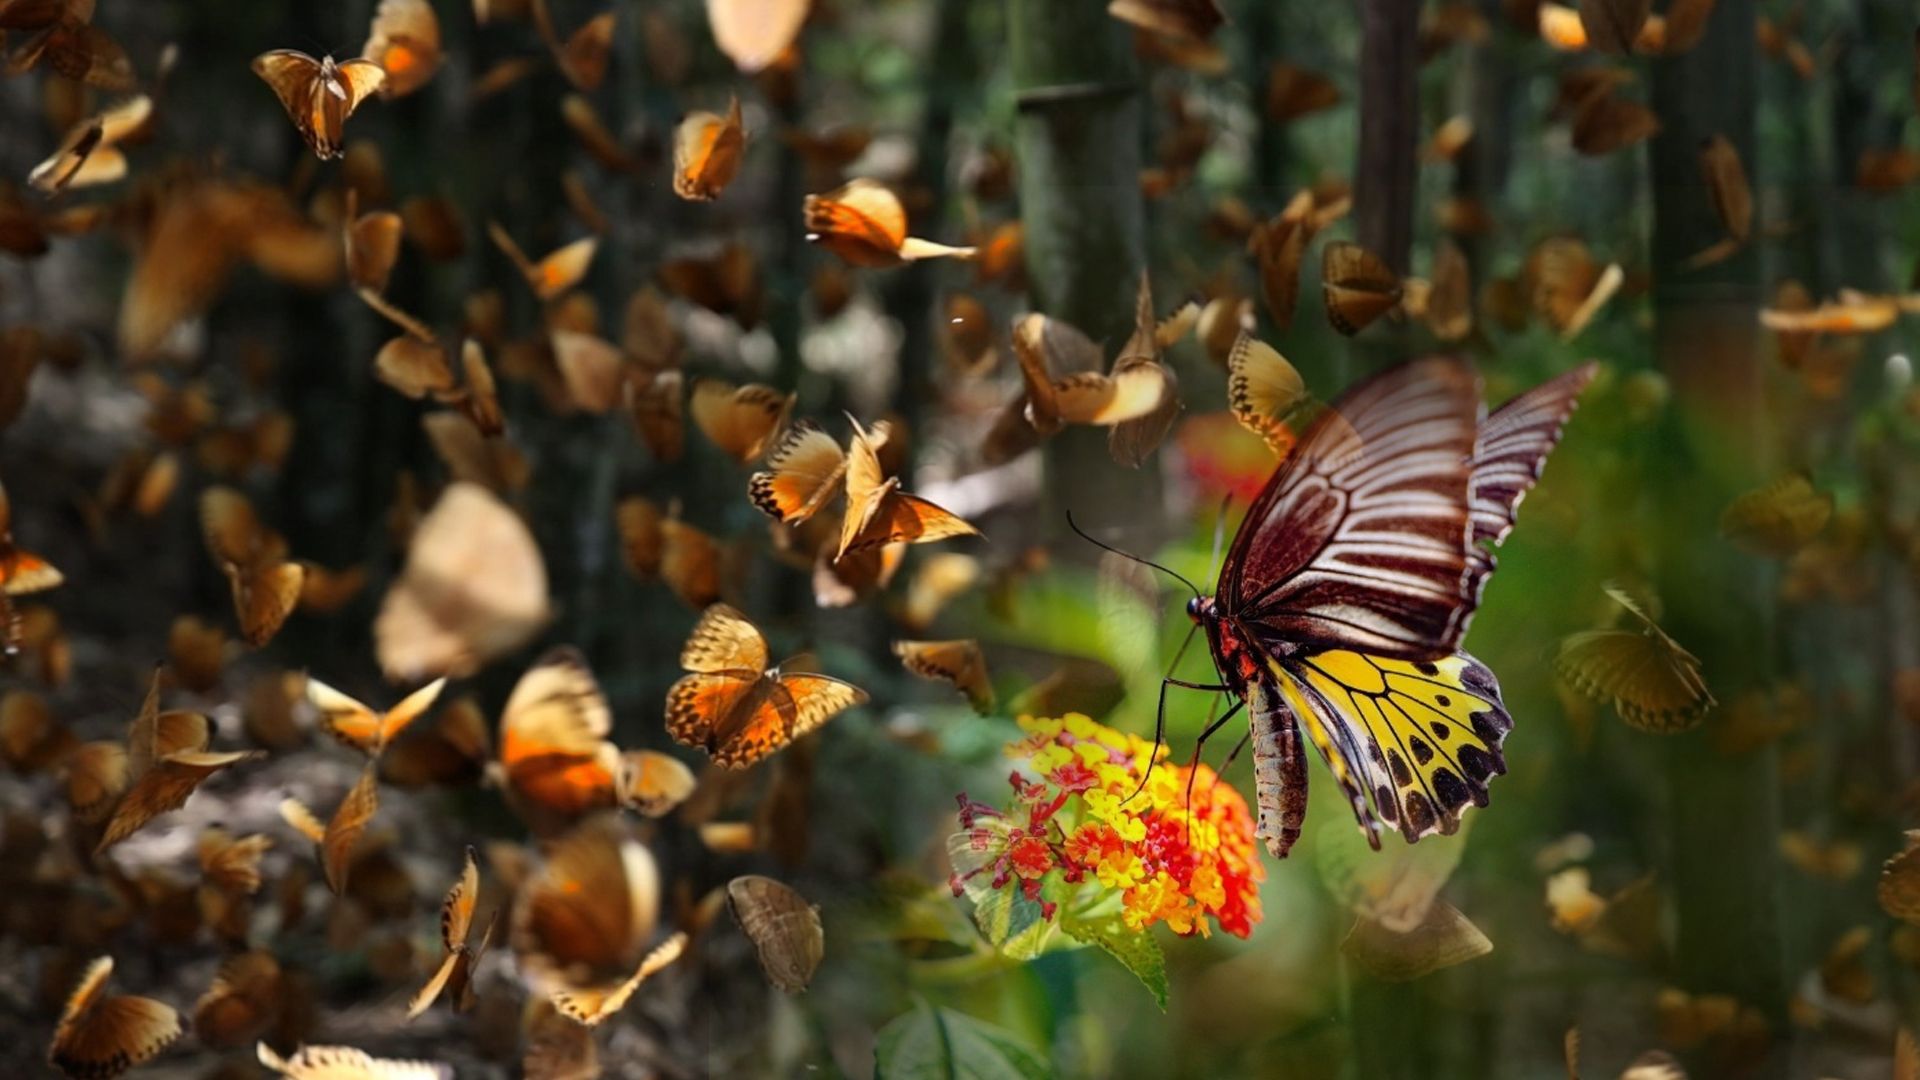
(932, 1043)
(1136, 950)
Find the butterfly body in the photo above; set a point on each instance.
(1343, 600)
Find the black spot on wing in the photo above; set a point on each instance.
(1453, 792)
(1398, 766)
(1441, 730)
(1422, 753)
(1420, 818)
(1480, 765)
(1389, 809)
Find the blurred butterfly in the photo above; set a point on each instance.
(1358, 285)
(1347, 590)
(451, 749)
(166, 758)
(347, 1063)
(1264, 391)
(1294, 92)
(583, 57)
(660, 546)
(784, 928)
(101, 1035)
(474, 587)
(864, 222)
(555, 759)
(1899, 887)
(318, 95)
(599, 142)
(1778, 519)
(1731, 196)
(879, 513)
(337, 840)
(454, 976)
(740, 420)
(737, 708)
(586, 914)
(1443, 939)
(404, 41)
(1567, 285)
(706, 153)
(755, 33)
(243, 1002)
(958, 662)
(229, 876)
(90, 154)
(266, 585)
(593, 1004)
(30, 738)
(1606, 123)
(559, 271)
(806, 470)
(21, 571)
(1280, 245)
(1648, 678)
(1849, 313)
(357, 725)
(594, 369)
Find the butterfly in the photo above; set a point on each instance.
(318, 95)
(555, 759)
(337, 840)
(455, 974)
(591, 1005)
(879, 513)
(1280, 245)
(357, 725)
(1263, 391)
(554, 274)
(1649, 678)
(706, 153)
(784, 928)
(583, 57)
(90, 153)
(347, 1063)
(755, 33)
(1358, 285)
(21, 571)
(737, 708)
(165, 759)
(474, 588)
(1347, 590)
(584, 916)
(958, 662)
(405, 41)
(266, 585)
(102, 1035)
(740, 420)
(864, 222)
(1778, 519)
(242, 1003)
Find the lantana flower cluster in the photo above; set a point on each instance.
(1180, 851)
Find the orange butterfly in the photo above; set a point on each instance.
(864, 222)
(584, 916)
(89, 154)
(740, 420)
(879, 513)
(166, 758)
(266, 586)
(318, 95)
(453, 749)
(348, 1063)
(555, 759)
(405, 41)
(243, 1002)
(706, 153)
(101, 1036)
(455, 974)
(358, 726)
(21, 571)
(958, 662)
(737, 708)
(559, 271)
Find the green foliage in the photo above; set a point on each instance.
(935, 1043)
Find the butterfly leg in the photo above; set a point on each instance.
(1160, 723)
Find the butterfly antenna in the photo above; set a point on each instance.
(1104, 546)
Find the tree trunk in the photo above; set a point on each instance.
(1724, 811)
(1078, 138)
(1383, 175)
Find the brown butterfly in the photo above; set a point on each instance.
(243, 1002)
(706, 153)
(337, 840)
(1651, 681)
(595, 138)
(318, 95)
(1280, 245)
(736, 707)
(474, 588)
(452, 749)
(266, 585)
(101, 1035)
(404, 41)
(784, 928)
(196, 653)
(1359, 286)
(1294, 92)
(454, 976)
(582, 58)
(586, 914)
(372, 242)
(358, 726)
(804, 472)
(958, 662)
(166, 758)
(30, 738)
(1778, 519)
(864, 222)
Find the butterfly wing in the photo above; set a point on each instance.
(106, 1036)
(592, 1005)
(724, 641)
(293, 75)
(804, 472)
(263, 597)
(1653, 683)
(343, 717)
(1420, 740)
(348, 824)
(958, 662)
(359, 80)
(1509, 452)
(553, 735)
(164, 788)
(700, 706)
(1263, 389)
(1359, 539)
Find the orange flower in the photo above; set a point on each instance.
(1178, 848)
